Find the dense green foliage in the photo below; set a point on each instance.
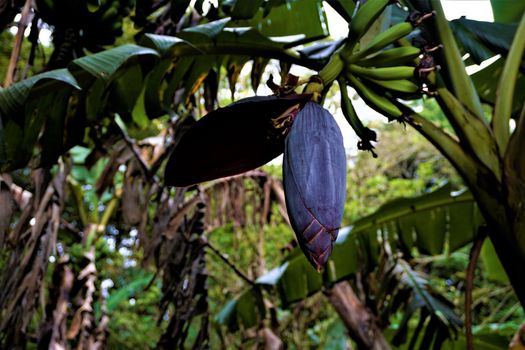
(97, 252)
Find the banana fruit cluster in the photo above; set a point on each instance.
(383, 70)
(380, 75)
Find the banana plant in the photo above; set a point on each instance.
(44, 116)
(484, 153)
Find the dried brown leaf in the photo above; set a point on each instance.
(178, 218)
(6, 211)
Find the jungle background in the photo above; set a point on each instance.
(97, 253)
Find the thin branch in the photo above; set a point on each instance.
(230, 264)
(471, 268)
(131, 145)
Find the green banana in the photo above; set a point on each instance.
(385, 38)
(401, 85)
(392, 57)
(365, 134)
(383, 73)
(365, 17)
(379, 103)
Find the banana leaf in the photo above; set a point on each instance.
(52, 110)
(507, 11)
(58, 104)
(483, 40)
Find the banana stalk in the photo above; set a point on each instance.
(472, 130)
(331, 71)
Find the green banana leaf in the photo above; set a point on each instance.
(507, 11)
(130, 289)
(246, 311)
(434, 223)
(491, 264)
(190, 70)
(437, 320)
(483, 40)
(58, 105)
(304, 19)
(210, 29)
(484, 83)
(52, 110)
(21, 122)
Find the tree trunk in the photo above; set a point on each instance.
(359, 321)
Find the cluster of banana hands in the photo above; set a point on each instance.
(251, 132)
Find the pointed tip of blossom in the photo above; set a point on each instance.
(319, 260)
